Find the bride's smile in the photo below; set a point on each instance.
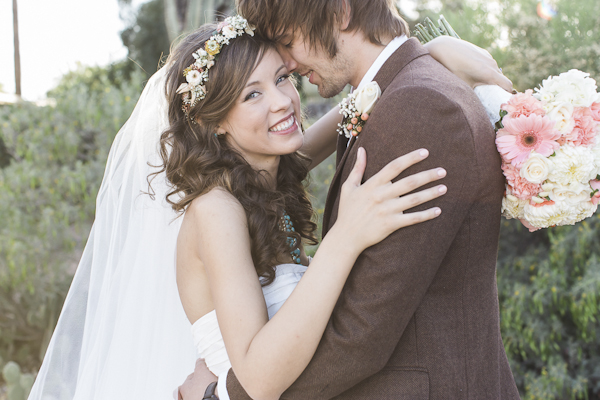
(264, 122)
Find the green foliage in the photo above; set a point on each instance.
(47, 199)
(527, 47)
(146, 37)
(18, 385)
(539, 48)
(549, 309)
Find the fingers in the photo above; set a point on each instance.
(412, 182)
(408, 219)
(397, 166)
(355, 177)
(499, 79)
(415, 199)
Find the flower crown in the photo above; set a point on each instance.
(196, 74)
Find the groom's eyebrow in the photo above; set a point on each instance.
(257, 82)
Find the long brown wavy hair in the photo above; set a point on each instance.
(196, 160)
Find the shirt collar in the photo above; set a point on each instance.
(381, 59)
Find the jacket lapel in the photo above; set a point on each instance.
(409, 51)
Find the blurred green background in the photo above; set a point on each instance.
(52, 160)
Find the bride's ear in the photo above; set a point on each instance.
(220, 130)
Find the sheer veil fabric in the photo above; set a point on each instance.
(122, 332)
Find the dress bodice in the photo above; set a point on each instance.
(206, 332)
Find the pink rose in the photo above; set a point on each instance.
(523, 104)
(520, 187)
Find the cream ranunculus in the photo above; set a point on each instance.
(366, 98)
(536, 169)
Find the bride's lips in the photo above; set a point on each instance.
(285, 126)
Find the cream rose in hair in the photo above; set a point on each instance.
(536, 169)
(366, 97)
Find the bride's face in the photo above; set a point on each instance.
(265, 121)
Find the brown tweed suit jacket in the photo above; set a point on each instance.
(418, 317)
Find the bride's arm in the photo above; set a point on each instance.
(470, 63)
(268, 355)
(321, 138)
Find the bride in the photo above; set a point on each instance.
(234, 160)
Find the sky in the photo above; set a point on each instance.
(54, 36)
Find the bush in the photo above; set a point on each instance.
(548, 284)
(56, 159)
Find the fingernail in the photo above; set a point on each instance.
(441, 172)
(442, 189)
(423, 153)
(437, 211)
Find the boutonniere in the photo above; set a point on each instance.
(356, 109)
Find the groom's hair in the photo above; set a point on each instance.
(316, 20)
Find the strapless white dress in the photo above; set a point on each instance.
(206, 332)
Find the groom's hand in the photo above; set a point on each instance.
(196, 383)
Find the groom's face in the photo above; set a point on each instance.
(331, 75)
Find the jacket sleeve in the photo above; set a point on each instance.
(390, 279)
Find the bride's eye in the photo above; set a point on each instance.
(282, 78)
(251, 95)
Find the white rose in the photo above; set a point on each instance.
(366, 98)
(536, 169)
(573, 164)
(193, 77)
(572, 194)
(547, 215)
(513, 207)
(562, 114)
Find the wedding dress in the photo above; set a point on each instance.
(206, 332)
(122, 333)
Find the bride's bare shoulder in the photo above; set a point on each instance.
(218, 204)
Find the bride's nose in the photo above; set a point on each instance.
(280, 101)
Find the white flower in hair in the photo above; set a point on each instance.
(193, 77)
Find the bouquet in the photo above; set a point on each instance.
(549, 141)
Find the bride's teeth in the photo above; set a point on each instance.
(284, 125)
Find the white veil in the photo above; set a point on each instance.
(122, 332)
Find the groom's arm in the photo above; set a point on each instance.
(390, 279)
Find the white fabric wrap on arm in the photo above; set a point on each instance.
(492, 97)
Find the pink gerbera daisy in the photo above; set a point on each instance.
(524, 134)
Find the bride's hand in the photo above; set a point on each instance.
(371, 211)
(470, 63)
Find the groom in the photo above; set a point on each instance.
(418, 317)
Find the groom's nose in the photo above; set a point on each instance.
(288, 60)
